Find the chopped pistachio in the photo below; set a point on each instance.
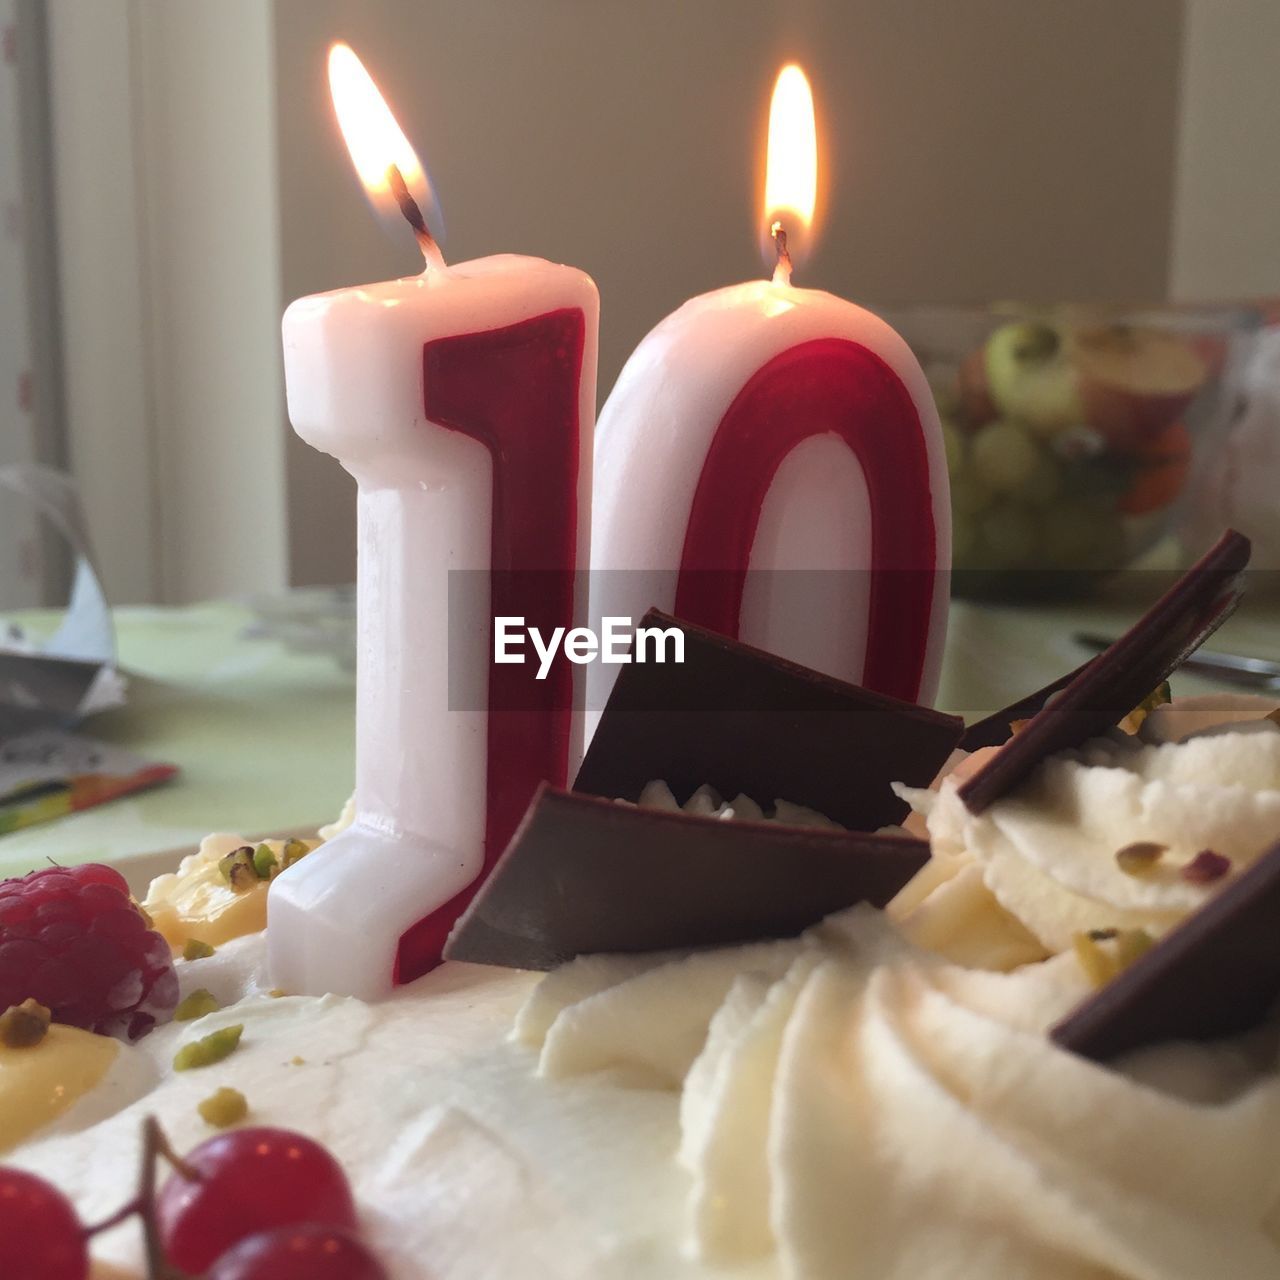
(194, 949)
(145, 914)
(1140, 857)
(295, 849)
(277, 992)
(1094, 960)
(237, 868)
(23, 1026)
(265, 863)
(297, 1061)
(1206, 867)
(1103, 935)
(224, 1108)
(196, 1005)
(216, 1046)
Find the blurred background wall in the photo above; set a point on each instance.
(974, 149)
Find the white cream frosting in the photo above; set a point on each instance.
(843, 1106)
(862, 1111)
(1040, 866)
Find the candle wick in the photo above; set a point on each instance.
(413, 216)
(782, 272)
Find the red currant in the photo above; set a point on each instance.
(40, 1235)
(308, 1252)
(249, 1181)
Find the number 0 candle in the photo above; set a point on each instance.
(787, 433)
(462, 402)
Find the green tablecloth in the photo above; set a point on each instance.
(264, 737)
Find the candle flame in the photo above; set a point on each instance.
(791, 170)
(379, 149)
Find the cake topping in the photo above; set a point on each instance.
(224, 1108)
(220, 892)
(214, 1047)
(194, 949)
(1104, 953)
(247, 1182)
(1098, 695)
(40, 1235)
(747, 722)
(1140, 857)
(72, 939)
(1217, 974)
(196, 1005)
(25, 1025)
(587, 875)
(1207, 867)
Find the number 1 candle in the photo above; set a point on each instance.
(462, 401)
(764, 448)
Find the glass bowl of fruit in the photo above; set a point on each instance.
(1074, 434)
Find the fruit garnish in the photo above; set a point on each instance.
(244, 1183)
(23, 1026)
(307, 1252)
(224, 1108)
(40, 1236)
(220, 892)
(196, 1005)
(1158, 697)
(1105, 953)
(1207, 867)
(1140, 857)
(214, 1047)
(194, 949)
(72, 939)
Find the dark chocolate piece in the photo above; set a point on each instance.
(1216, 974)
(1105, 690)
(749, 722)
(585, 875)
(996, 729)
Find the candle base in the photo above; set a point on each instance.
(335, 918)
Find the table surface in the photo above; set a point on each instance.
(264, 736)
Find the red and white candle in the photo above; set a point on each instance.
(764, 447)
(462, 401)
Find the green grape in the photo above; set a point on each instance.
(1003, 456)
(1011, 536)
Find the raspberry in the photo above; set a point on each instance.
(72, 939)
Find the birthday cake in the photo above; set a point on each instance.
(1042, 1044)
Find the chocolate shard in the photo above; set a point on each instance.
(996, 729)
(749, 722)
(584, 875)
(1217, 974)
(1105, 690)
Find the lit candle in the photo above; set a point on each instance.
(787, 432)
(462, 402)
